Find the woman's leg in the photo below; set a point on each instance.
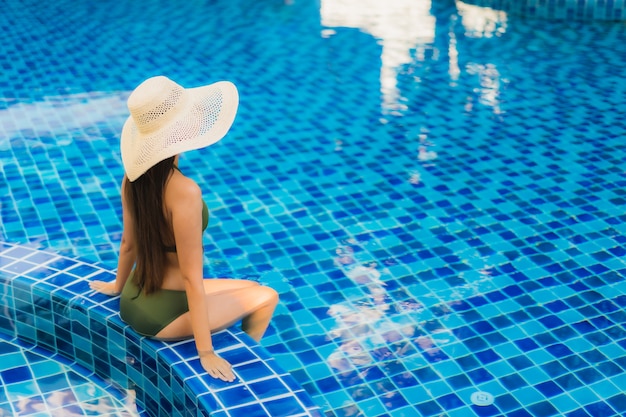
(253, 305)
(228, 301)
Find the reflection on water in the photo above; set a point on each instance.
(489, 87)
(53, 117)
(385, 325)
(379, 327)
(35, 385)
(404, 28)
(78, 401)
(413, 43)
(64, 403)
(480, 21)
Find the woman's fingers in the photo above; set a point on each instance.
(224, 375)
(227, 373)
(220, 368)
(107, 288)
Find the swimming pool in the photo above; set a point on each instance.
(435, 189)
(36, 384)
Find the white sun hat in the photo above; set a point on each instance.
(167, 119)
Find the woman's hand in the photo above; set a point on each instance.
(216, 367)
(106, 288)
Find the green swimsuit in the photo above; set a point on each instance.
(149, 314)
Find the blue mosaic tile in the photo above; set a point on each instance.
(34, 381)
(441, 208)
(563, 9)
(75, 328)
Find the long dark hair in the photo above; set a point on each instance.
(144, 197)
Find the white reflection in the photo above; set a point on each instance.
(489, 85)
(374, 326)
(401, 26)
(415, 177)
(453, 57)
(481, 21)
(425, 155)
(59, 114)
(349, 355)
(406, 29)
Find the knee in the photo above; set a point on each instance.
(269, 295)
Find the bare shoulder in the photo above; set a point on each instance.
(182, 190)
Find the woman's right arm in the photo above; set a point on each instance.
(127, 254)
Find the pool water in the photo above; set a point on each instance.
(435, 189)
(35, 384)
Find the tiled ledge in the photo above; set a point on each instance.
(46, 300)
(613, 10)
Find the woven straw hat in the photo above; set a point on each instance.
(167, 119)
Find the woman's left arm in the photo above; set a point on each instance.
(187, 224)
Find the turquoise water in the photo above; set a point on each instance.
(37, 384)
(435, 189)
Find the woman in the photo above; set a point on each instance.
(159, 273)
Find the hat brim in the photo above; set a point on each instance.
(210, 112)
